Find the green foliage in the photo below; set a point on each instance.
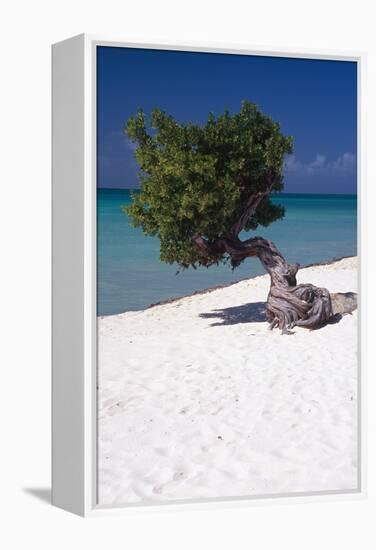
(197, 179)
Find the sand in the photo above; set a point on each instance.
(199, 399)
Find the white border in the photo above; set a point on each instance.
(90, 343)
(90, 270)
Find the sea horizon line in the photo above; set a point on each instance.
(278, 193)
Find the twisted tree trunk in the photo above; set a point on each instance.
(288, 304)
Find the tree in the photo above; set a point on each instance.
(202, 186)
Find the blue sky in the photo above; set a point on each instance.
(314, 101)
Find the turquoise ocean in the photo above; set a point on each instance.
(130, 275)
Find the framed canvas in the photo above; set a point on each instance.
(208, 286)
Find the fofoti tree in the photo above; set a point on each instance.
(202, 186)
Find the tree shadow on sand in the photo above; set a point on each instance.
(246, 313)
(253, 312)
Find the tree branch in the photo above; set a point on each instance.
(250, 208)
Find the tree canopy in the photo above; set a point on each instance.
(209, 182)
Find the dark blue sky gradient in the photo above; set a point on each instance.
(314, 101)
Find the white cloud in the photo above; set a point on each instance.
(318, 164)
(344, 164)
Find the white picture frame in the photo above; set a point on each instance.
(74, 273)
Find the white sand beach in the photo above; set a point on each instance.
(197, 398)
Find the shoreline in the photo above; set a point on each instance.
(208, 290)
